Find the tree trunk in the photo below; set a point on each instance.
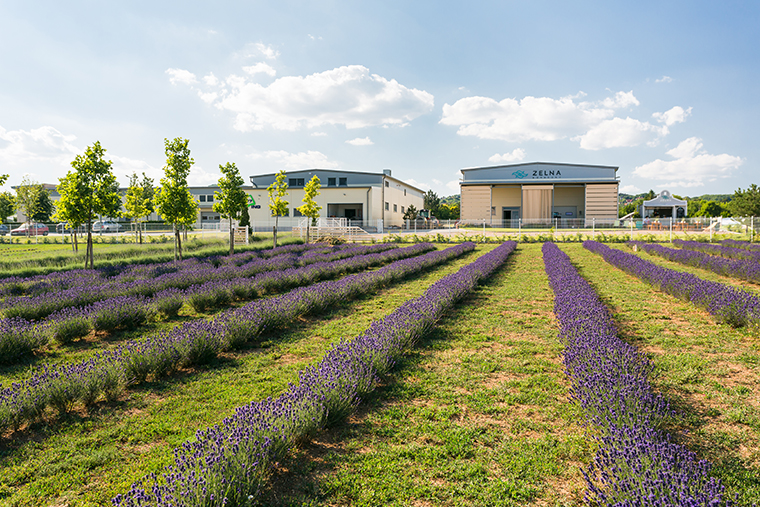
(232, 238)
(274, 231)
(89, 257)
(178, 244)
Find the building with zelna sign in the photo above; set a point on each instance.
(539, 191)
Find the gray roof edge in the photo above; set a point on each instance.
(339, 171)
(542, 163)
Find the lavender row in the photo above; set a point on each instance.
(227, 464)
(729, 304)
(19, 337)
(636, 463)
(736, 268)
(106, 374)
(38, 284)
(193, 274)
(741, 244)
(722, 250)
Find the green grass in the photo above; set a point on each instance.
(87, 458)
(709, 371)
(477, 415)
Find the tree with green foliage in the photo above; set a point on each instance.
(232, 201)
(650, 195)
(7, 205)
(278, 206)
(713, 209)
(173, 199)
(148, 194)
(4, 178)
(69, 208)
(98, 192)
(746, 203)
(432, 202)
(410, 213)
(136, 205)
(309, 207)
(31, 198)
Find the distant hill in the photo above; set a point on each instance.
(451, 199)
(622, 197)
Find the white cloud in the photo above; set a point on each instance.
(199, 177)
(302, 160)
(532, 118)
(349, 96)
(691, 166)
(260, 68)
(672, 116)
(630, 189)
(123, 168)
(664, 79)
(44, 144)
(181, 76)
(453, 185)
(313, 38)
(516, 154)
(256, 50)
(621, 100)
(360, 141)
(618, 133)
(318, 134)
(209, 97)
(210, 79)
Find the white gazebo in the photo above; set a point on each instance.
(664, 206)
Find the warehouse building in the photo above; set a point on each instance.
(539, 191)
(358, 196)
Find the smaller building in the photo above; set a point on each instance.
(358, 196)
(664, 205)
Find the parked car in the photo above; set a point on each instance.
(105, 226)
(31, 230)
(3, 229)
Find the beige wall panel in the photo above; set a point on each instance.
(569, 196)
(601, 200)
(510, 197)
(476, 203)
(537, 202)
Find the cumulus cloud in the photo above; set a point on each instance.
(672, 116)
(181, 76)
(349, 96)
(360, 141)
(123, 167)
(619, 132)
(260, 68)
(532, 118)
(210, 79)
(621, 100)
(630, 189)
(44, 144)
(302, 160)
(418, 184)
(256, 50)
(691, 166)
(664, 79)
(516, 154)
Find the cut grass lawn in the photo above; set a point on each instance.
(86, 459)
(709, 371)
(477, 415)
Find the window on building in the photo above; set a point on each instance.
(209, 198)
(202, 198)
(404, 192)
(387, 206)
(297, 213)
(402, 210)
(387, 184)
(296, 182)
(395, 208)
(330, 182)
(343, 182)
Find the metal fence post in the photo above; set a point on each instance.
(593, 227)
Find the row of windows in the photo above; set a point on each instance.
(299, 182)
(206, 198)
(388, 185)
(395, 208)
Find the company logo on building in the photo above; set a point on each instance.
(519, 174)
(252, 203)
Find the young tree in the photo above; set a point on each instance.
(232, 201)
(173, 200)
(309, 207)
(148, 194)
(277, 203)
(98, 191)
(432, 202)
(746, 203)
(3, 179)
(7, 205)
(44, 206)
(70, 207)
(410, 213)
(135, 204)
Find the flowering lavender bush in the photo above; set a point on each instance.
(198, 341)
(736, 268)
(734, 306)
(722, 250)
(228, 463)
(637, 463)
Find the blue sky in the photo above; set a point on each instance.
(667, 91)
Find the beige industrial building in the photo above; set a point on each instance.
(539, 191)
(358, 196)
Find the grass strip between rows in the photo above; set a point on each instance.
(636, 463)
(228, 463)
(108, 373)
(729, 304)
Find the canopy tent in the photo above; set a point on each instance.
(664, 206)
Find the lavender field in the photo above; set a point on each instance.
(511, 374)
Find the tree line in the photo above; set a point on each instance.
(742, 203)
